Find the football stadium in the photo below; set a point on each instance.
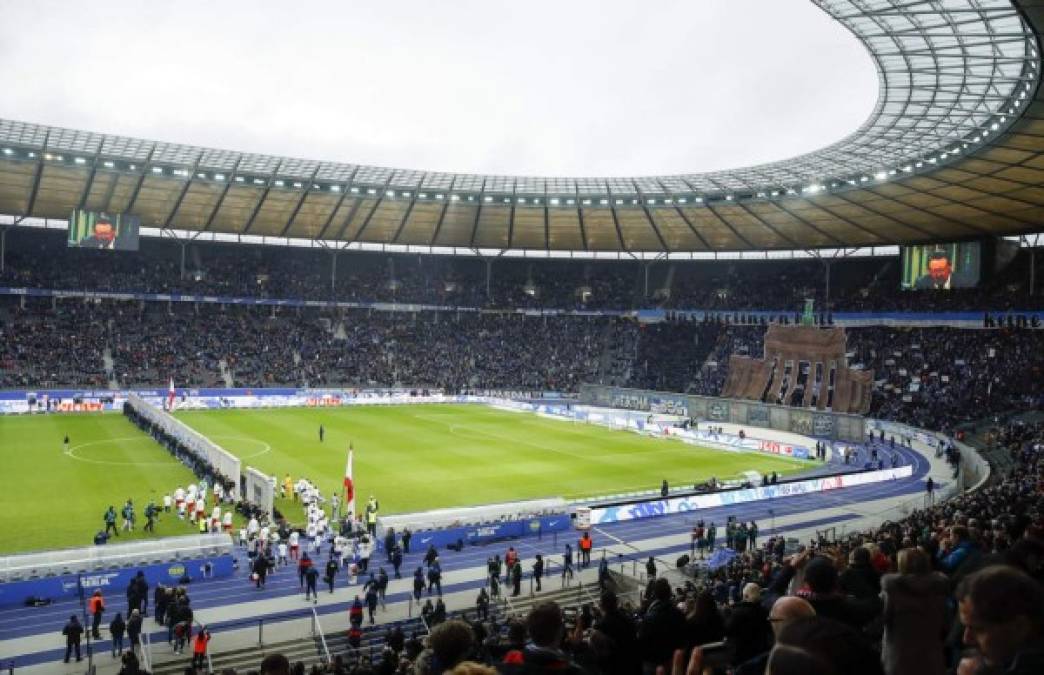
(266, 410)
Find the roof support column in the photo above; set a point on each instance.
(3, 248)
(183, 245)
(489, 279)
(333, 271)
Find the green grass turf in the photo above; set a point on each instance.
(431, 456)
(54, 500)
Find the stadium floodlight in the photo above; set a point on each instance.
(157, 169)
(667, 201)
(279, 183)
(603, 202)
(729, 198)
(454, 198)
(133, 167)
(422, 195)
(389, 193)
(80, 160)
(994, 126)
(619, 201)
(521, 200)
(48, 156)
(650, 200)
(109, 164)
(683, 200)
(354, 190)
(8, 151)
(488, 199)
(219, 176)
(299, 185)
(407, 194)
(335, 188)
(440, 196)
(554, 201)
(881, 175)
(371, 191)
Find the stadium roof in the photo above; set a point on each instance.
(953, 149)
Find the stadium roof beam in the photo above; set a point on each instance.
(181, 194)
(35, 190)
(82, 201)
(231, 178)
(146, 165)
(297, 206)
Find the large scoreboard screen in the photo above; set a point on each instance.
(941, 266)
(97, 229)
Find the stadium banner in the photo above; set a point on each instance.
(673, 505)
(494, 531)
(802, 421)
(976, 319)
(113, 583)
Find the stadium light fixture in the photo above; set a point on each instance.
(440, 196)
(586, 202)
(683, 200)
(279, 183)
(354, 190)
(389, 193)
(422, 195)
(299, 185)
(8, 151)
(80, 160)
(729, 198)
(487, 199)
(454, 198)
(48, 156)
(603, 202)
(406, 194)
(371, 191)
(109, 164)
(335, 188)
(157, 169)
(881, 175)
(571, 202)
(554, 201)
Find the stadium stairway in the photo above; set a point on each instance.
(232, 607)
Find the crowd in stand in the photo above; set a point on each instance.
(956, 587)
(41, 260)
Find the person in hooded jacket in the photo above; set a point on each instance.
(915, 616)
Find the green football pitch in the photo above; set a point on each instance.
(410, 457)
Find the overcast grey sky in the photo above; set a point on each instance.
(570, 87)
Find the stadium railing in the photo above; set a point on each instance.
(146, 651)
(317, 629)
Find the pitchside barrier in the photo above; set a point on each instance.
(672, 505)
(54, 575)
(259, 489)
(805, 421)
(225, 463)
(480, 524)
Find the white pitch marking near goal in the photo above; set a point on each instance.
(71, 453)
